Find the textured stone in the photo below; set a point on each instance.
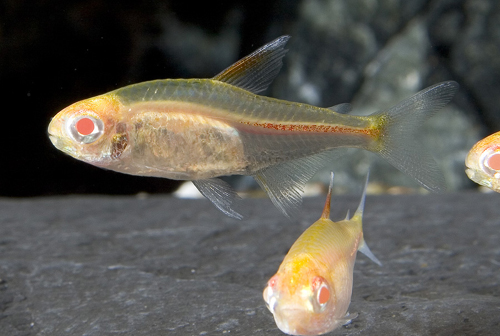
(164, 266)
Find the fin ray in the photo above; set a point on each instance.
(402, 123)
(363, 248)
(220, 193)
(256, 71)
(326, 209)
(343, 108)
(284, 182)
(348, 318)
(358, 215)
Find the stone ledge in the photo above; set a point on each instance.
(164, 266)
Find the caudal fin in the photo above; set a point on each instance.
(401, 123)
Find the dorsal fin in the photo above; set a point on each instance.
(341, 108)
(326, 209)
(256, 71)
(358, 215)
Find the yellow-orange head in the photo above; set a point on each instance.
(483, 162)
(85, 130)
(302, 298)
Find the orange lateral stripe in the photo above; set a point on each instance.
(372, 132)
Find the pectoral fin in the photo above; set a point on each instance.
(363, 248)
(348, 318)
(220, 193)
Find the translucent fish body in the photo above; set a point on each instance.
(214, 129)
(199, 129)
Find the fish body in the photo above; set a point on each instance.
(483, 162)
(311, 292)
(200, 129)
(205, 128)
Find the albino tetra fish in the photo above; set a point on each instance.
(311, 292)
(199, 129)
(483, 162)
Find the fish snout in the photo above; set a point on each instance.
(292, 320)
(55, 132)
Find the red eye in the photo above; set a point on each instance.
(85, 126)
(322, 292)
(494, 161)
(323, 295)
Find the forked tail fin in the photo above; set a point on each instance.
(400, 125)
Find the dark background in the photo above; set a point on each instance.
(54, 53)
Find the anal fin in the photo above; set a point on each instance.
(284, 182)
(363, 248)
(220, 193)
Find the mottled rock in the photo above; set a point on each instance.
(153, 266)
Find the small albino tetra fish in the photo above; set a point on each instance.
(199, 129)
(483, 162)
(311, 292)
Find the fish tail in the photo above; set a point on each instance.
(399, 127)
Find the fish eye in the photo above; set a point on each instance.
(85, 128)
(490, 162)
(321, 292)
(494, 161)
(323, 295)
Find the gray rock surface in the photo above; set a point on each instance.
(165, 266)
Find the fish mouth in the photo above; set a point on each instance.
(55, 136)
(470, 173)
(56, 140)
(289, 321)
(52, 136)
(291, 326)
(61, 144)
(483, 179)
(477, 177)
